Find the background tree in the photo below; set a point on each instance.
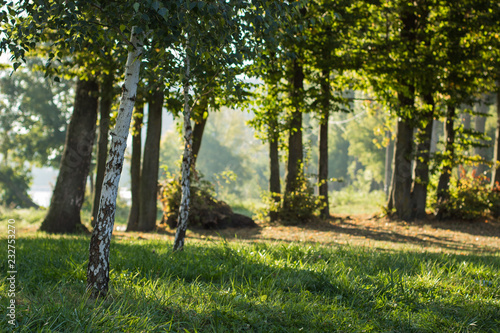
(67, 199)
(33, 115)
(150, 164)
(135, 166)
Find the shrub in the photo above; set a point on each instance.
(293, 208)
(470, 197)
(204, 209)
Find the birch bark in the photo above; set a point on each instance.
(98, 268)
(186, 166)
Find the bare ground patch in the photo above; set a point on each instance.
(360, 230)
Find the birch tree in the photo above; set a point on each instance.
(186, 163)
(98, 267)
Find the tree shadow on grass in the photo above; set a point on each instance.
(371, 231)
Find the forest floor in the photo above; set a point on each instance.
(367, 230)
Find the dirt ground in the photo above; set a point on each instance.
(362, 230)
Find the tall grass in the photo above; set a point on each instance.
(261, 287)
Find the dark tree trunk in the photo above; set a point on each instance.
(102, 146)
(402, 174)
(295, 133)
(64, 211)
(150, 164)
(323, 145)
(199, 128)
(443, 192)
(480, 124)
(135, 168)
(388, 166)
(421, 165)
(400, 198)
(274, 167)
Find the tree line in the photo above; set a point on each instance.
(421, 60)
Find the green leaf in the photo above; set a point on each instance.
(163, 13)
(136, 7)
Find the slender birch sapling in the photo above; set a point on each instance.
(98, 268)
(186, 165)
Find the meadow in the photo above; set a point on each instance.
(253, 283)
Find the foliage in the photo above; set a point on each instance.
(13, 181)
(220, 286)
(33, 116)
(238, 152)
(301, 205)
(470, 197)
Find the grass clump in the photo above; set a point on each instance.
(261, 287)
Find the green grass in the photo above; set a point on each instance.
(350, 201)
(24, 217)
(260, 287)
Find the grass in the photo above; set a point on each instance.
(219, 286)
(349, 201)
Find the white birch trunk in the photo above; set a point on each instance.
(98, 268)
(186, 166)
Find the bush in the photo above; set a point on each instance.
(204, 209)
(298, 207)
(471, 197)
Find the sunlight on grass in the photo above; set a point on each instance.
(348, 201)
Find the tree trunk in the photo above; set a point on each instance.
(480, 125)
(421, 165)
(67, 199)
(186, 166)
(388, 166)
(98, 267)
(150, 164)
(274, 168)
(436, 126)
(135, 168)
(323, 145)
(400, 198)
(495, 174)
(199, 128)
(91, 182)
(295, 134)
(443, 193)
(105, 103)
